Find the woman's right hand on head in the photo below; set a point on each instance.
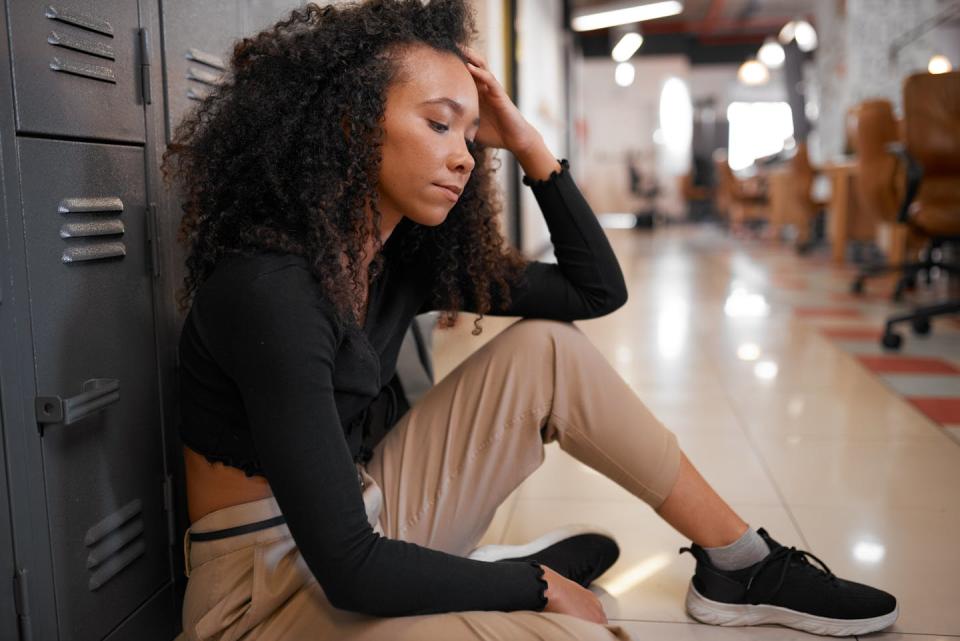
(568, 597)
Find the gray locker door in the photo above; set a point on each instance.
(197, 42)
(76, 68)
(8, 613)
(260, 14)
(90, 302)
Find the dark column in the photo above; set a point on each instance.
(793, 76)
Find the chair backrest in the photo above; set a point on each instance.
(931, 111)
(877, 183)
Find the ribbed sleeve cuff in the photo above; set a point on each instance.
(553, 177)
(542, 596)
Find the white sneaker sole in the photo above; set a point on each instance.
(716, 613)
(497, 552)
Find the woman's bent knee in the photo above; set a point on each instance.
(535, 334)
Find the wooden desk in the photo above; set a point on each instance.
(790, 204)
(841, 206)
(783, 211)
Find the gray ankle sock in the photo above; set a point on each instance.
(744, 552)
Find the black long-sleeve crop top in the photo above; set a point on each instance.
(271, 383)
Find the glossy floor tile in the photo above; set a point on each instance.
(909, 552)
(744, 350)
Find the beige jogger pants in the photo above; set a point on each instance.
(436, 479)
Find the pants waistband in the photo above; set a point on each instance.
(238, 530)
(231, 528)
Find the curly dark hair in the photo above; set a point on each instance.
(284, 156)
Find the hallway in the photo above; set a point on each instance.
(771, 376)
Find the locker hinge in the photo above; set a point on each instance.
(168, 508)
(22, 604)
(153, 225)
(144, 39)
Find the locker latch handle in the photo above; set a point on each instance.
(97, 394)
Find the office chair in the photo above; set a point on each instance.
(931, 202)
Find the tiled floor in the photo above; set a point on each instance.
(755, 358)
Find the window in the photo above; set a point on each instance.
(757, 129)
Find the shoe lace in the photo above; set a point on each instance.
(787, 555)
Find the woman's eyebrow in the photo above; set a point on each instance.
(453, 104)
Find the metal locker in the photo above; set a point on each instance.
(8, 607)
(77, 68)
(260, 14)
(198, 39)
(97, 405)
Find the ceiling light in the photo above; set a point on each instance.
(806, 36)
(627, 46)
(593, 19)
(787, 33)
(624, 74)
(753, 72)
(939, 64)
(772, 54)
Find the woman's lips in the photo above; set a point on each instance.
(449, 193)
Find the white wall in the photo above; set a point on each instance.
(618, 120)
(492, 45)
(542, 93)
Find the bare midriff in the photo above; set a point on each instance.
(213, 486)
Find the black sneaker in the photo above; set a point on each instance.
(580, 553)
(786, 589)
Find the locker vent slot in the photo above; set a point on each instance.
(97, 72)
(115, 542)
(206, 58)
(197, 94)
(78, 19)
(72, 232)
(84, 205)
(105, 228)
(99, 251)
(79, 44)
(110, 545)
(204, 76)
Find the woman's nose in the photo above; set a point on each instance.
(462, 160)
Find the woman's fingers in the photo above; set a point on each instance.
(485, 76)
(475, 57)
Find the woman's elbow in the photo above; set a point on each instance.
(346, 593)
(614, 297)
(352, 596)
(617, 298)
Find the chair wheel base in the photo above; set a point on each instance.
(892, 340)
(921, 326)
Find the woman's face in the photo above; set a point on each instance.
(432, 114)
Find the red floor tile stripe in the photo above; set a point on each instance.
(852, 333)
(908, 364)
(841, 297)
(789, 283)
(940, 410)
(834, 312)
